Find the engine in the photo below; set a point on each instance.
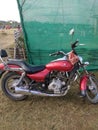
(57, 82)
(56, 85)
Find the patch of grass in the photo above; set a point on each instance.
(49, 113)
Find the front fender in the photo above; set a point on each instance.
(83, 85)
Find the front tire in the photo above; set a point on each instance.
(7, 86)
(92, 89)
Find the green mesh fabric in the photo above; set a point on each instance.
(46, 25)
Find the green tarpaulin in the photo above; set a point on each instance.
(46, 25)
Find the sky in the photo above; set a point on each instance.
(9, 10)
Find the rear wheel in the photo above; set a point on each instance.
(92, 89)
(8, 88)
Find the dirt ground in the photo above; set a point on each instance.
(46, 113)
(6, 38)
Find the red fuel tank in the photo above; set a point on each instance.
(62, 65)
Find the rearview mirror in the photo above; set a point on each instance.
(71, 32)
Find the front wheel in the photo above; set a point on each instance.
(7, 85)
(92, 89)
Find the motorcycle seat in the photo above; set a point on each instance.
(29, 69)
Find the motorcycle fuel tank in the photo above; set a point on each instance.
(60, 65)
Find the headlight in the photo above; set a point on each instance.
(81, 59)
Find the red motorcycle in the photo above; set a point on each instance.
(20, 79)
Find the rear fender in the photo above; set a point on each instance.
(1, 69)
(1, 73)
(2, 66)
(83, 85)
(9, 67)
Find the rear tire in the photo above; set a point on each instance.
(92, 89)
(7, 86)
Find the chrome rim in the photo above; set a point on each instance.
(10, 85)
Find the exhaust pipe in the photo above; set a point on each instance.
(22, 91)
(32, 92)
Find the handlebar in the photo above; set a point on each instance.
(73, 45)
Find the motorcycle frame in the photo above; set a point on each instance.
(40, 76)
